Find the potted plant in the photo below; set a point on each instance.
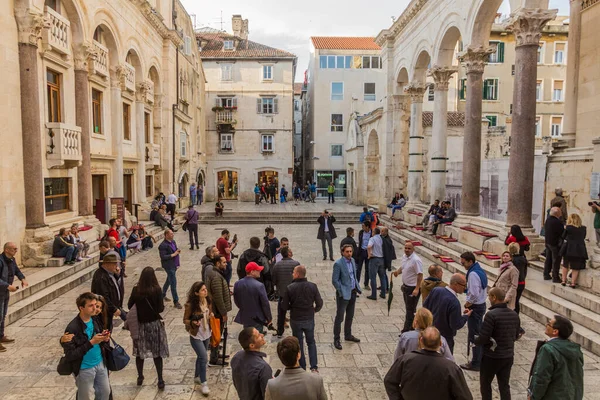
(217, 108)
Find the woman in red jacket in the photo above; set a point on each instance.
(516, 236)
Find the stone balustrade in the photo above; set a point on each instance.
(224, 117)
(56, 36)
(588, 3)
(63, 142)
(99, 66)
(129, 77)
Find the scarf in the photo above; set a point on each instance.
(205, 311)
(504, 266)
(476, 268)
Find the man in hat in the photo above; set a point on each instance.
(250, 297)
(105, 283)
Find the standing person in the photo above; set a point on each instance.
(560, 202)
(349, 239)
(376, 264)
(412, 276)
(508, 280)
(272, 244)
(251, 298)
(207, 261)
(499, 332)
(366, 215)
(296, 193)
(105, 283)
(294, 383)
(554, 229)
(313, 192)
(303, 300)
(425, 374)
(330, 193)
(432, 281)
(8, 270)
(219, 207)
(253, 254)
(273, 193)
(218, 290)
(448, 315)
(363, 255)
(171, 201)
(596, 210)
(62, 247)
(152, 341)
(520, 262)
(86, 351)
(196, 321)
(80, 243)
(285, 242)
(283, 194)
(200, 193)
(225, 248)
(389, 254)
(192, 226)
(282, 275)
(169, 260)
(263, 193)
(516, 236)
(249, 370)
(346, 286)
(256, 194)
(326, 233)
(476, 295)
(193, 194)
(575, 253)
(409, 340)
(557, 370)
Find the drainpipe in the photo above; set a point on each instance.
(176, 105)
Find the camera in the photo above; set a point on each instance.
(591, 203)
(196, 317)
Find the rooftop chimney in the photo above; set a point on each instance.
(239, 26)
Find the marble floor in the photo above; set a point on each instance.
(28, 368)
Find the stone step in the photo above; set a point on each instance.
(584, 299)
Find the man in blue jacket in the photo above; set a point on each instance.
(346, 288)
(169, 260)
(448, 315)
(250, 296)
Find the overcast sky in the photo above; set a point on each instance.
(288, 25)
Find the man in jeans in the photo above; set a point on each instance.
(282, 275)
(86, 352)
(412, 276)
(376, 264)
(326, 233)
(218, 290)
(8, 271)
(554, 229)
(63, 248)
(363, 256)
(303, 300)
(169, 260)
(330, 193)
(347, 288)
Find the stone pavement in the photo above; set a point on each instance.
(28, 369)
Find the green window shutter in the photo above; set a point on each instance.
(485, 89)
(462, 90)
(495, 89)
(501, 52)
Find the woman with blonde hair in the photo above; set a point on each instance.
(508, 279)
(409, 341)
(573, 249)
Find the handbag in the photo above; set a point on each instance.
(184, 226)
(131, 324)
(116, 358)
(64, 367)
(215, 327)
(562, 244)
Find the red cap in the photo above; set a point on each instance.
(252, 266)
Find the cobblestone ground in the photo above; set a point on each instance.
(28, 369)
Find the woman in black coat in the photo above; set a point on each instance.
(573, 249)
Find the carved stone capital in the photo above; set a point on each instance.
(416, 90)
(117, 77)
(527, 25)
(30, 24)
(142, 90)
(84, 54)
(400, 102)
(441, 76)
(475, 58)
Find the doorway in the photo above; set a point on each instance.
(227, 185)
(99, 193)
(128, 192)
(268, 177)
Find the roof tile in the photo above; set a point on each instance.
(244, 49)
(344, 43)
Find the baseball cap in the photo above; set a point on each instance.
(252, 266)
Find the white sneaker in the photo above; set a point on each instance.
(205, 390)
(197, 380)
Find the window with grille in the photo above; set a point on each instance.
(97, 111)
(559, 53)
(557, 91)
(490, 89)
(369, 89)
(226, 72)
(267, 105)
(267, 143)
(56, 195)
(337, 122)
(556, 126)
(226, 102)
(493, 120)
(336, 150)
(335, 62)
(53, 87)
(498, 55)
(337, 90)
(226, 143)
(267, 72)
(228, 45)
(149, 185)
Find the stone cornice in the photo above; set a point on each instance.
(527, 25)
(441, 76)
(585, 4)
(30, 24)
(416, 90)
(157, 21)
(400, 24)
(84, 54)
(475, 58)
(371, 117)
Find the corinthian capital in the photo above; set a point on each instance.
(441, 76)
(142, 90)
(416, 90)
(527, 25)
(30, 24)
(475, 58)
(84, 53)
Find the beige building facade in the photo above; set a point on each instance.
(250, 125)
(92, 136)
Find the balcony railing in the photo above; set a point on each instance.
(585, 4)
(224, 117)
(129, 77)
(56, 37)
(63, 145)
(100, 65)
(150, 92)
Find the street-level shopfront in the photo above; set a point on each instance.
(323, 178)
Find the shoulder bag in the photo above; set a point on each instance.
(116, 357)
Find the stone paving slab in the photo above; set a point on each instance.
(28, 368)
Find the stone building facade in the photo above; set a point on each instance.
(92, 135)
(250, 89)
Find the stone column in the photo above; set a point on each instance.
(83, 54)
(441, 77)
(474, 60)
(117, 80)
(30, 25)
(142, 90)
(527, 28)
(415, 90)
(572, 84)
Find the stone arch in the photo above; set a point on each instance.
(402, 79)
(373, 144)
(107, 37)
(78, 24)
(155, 77)
(481, 20)
(133, 57)
(446, 44)
(421, 66)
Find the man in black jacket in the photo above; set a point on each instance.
(554, 229)
(86, 352)
(498, 334)
(303, 300)
(207, 261)
(363, 257)
(105, 282)
(349, 239)
(253, 254)
(326, 233)
(389, 253)
(282, 277)
(169, 260)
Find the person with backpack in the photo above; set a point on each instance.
(253, 254)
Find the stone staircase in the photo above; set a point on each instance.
(48, 283)
(274, 217)
(541, 299)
